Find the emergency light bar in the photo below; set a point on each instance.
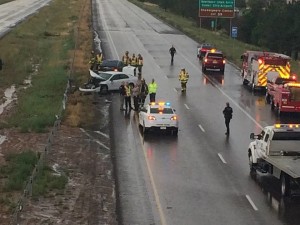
(293, 84)
(287, 125)
(161, 103)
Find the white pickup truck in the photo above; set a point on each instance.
(276, 150)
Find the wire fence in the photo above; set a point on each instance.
(28, 190)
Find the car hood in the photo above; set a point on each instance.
(93, 74)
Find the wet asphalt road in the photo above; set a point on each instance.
(202, 176)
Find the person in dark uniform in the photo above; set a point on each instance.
(227, 112)
(172, 51)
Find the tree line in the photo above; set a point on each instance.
(273, 25)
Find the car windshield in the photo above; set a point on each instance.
(105, 76)
(215, 56)
(162, 110)
(295, 93)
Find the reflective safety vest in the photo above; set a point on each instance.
(183, 76)
(140, 61)
(126, 59)
(92, 60)
(128, 91)
(133, 61)
(99, 58)
(152, 87)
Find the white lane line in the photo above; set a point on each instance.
(175, 89)
(154, 188)
(227, 96)
(222, 159)
(201, 128)
(252, 203)
(186, 106)
(101, 133)
(103, 145)
(93, 139)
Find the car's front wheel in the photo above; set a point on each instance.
(285, 184)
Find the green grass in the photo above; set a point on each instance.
(17, 170)
(232, 48)
(5, 1)
(43, 44)
(47, 181)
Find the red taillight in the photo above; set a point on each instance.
(116, 70)
(294, 77)
(151, 118)
(174, 118)
(224, 61)
(205, 60)
(260, 61)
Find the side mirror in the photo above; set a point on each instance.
(252, 136)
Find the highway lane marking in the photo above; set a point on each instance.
(222, 159)
(252, 203)
(201, 128)
(186, 106)
(227, 96)
(106, 30)
(154, 188)
(175, 89)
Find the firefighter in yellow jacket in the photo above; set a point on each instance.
(140, 62)
(126, 59)
(133, 60)
(183, 78)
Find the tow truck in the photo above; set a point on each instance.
(257, 64)
(276, 151)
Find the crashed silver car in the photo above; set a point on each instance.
(103, 82)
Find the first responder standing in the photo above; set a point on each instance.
(126, 59)
(128, 97)
(122, 91)
(99, 58)
(135, 95)
(143, 92)
(93, 61)
(227, 112)
(152, 87)
(183, 77)
(172, 51)
(133, 60)
(140, 62)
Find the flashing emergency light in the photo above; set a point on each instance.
(260, 61)
(213, 50)
(294, 77)
(293, 84)
(168, 103)
(224, 61)
(287, 125)
(161, 103)
(174, 118)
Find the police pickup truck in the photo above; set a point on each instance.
(276, 151)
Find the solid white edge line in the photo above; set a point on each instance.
(154, 188)
(252, 203)
(186, 106)
(101, 133)
(222, 159)
(201, 128)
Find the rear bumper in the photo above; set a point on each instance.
(214, 66)
(287, 108)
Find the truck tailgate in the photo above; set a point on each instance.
(289, 164)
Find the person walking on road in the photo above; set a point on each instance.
(140, 62)
(152, 90)
(172, 51)
(183, 78)
(227, 112)
(122, 91)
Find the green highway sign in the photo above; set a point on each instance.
(216, 8)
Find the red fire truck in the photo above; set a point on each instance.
(257, 64)
(285, 98)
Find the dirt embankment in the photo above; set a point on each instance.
(81, 154)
